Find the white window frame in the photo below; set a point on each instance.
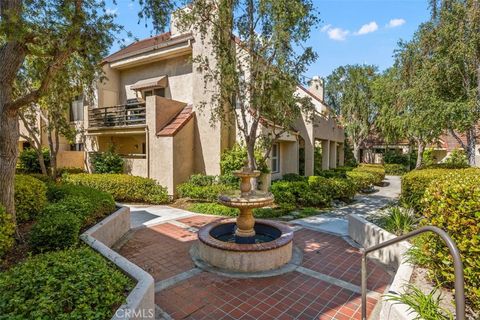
(275, 157)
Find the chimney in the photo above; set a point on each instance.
(316, 87)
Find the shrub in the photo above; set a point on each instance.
(30, 197)
(28, 160)
(457, 159)
(289, 195)
(70, 170)
(416, 182)
(122, 187)
(202, 180)
(395, 169)
(361, 179)
(332, 174)
(399, 220)
(107, 162)
(234, 159)
(375, 169)
(452, 203)
(7, 229)
(42, 177)
(56, 230)
(392, 157)
(70, 284)
(213, 208)
(342, 189)
(206, 193)
(293, 177)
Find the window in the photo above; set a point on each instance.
(77, 147)
(157, 92)
(76, 109)
(275, 158)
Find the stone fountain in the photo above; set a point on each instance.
(244, 245)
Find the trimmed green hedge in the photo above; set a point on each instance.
(74, 208)
(375, 169)
(71, 284)
(7, 229)
(204, 188)
(395, 169)
(452, 203)
(30, 197)
(122, 187)
(291, 194)
(214, 208)
(361, 179)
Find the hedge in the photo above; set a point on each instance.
(30, 197)
(362, 180)
(395, 169)
(70, 284)
(7, 229)
(122, 187)
(376, 169)
(214, 209)
(416, 182)
(291, 194)
(202, 187)
(74, 208)
(452, 203)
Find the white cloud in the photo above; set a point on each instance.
(337, 34)
(396, 23)
(111, 12)
(367, 28)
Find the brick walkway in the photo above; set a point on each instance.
(325, 287)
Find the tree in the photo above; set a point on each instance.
(38, 39)
(256, 71)
(349, 91)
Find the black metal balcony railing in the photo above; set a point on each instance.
(117, 116)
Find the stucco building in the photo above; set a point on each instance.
(149, 108)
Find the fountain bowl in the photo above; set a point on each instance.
(271, 250)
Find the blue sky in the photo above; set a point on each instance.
(352, 31)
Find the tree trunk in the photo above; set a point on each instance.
(421, 149)
(41, 161)
(471, 146)
(9, 135)
(356, 152)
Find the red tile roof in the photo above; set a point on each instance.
(138, 46)
(177, 122)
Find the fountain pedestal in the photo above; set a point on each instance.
(245, 245)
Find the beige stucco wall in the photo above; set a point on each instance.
(136, 166)
(183, 154)
(71, 159)
(124, 144)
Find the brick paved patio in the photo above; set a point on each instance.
(311, 292)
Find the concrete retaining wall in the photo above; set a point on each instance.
(140, 302)
(368, 234)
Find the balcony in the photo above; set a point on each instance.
(126, 115)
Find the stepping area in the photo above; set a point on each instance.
(325, 286)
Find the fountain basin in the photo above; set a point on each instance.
(272, 250)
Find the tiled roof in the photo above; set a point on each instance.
(139, 45)
(177, 122)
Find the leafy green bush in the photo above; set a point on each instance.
(42, 177)
(342, 189)
(234, 159)
(332, 174)
(416, 182)
(213, 208)
(395, 169)
(71, 284)
(56, 230)
(375, 169)
(7, 229)
(457, 159)
(452, 203)
(205, 193)
(361, 179)
(70, 170)
(291, 194)
(122, 187)
(392, 157)
(202, 180)
(30, 197)
(107, 162)
(293, 177)
(28, 160)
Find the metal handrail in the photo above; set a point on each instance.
(457, 264)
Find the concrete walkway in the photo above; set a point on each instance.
(148, 215)
(335, 220)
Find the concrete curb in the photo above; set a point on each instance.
(368, 234)
(140, 302)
